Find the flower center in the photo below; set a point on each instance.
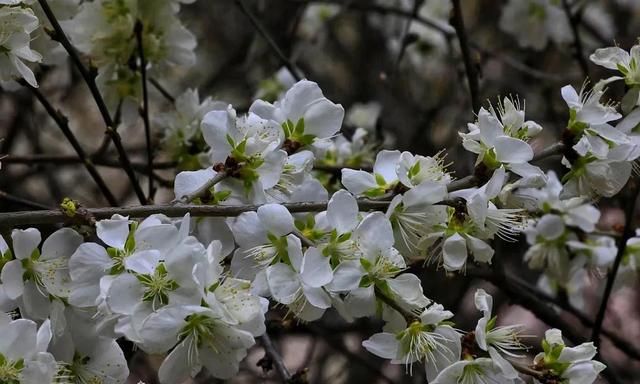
(10, 370)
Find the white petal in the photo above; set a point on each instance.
(550, 227)
(283, 283)
(298, 98)
(374, 233)
(454, 252)
(582, 352)
(25, 242)
(317, 297)
(511, 150)
(610, 57)
(114, 231)
(346, 276)
(124, 294)
(61, 243)
(175, 367)
(507, 369)
(18, 339)
(483, 302)
(323, 118)
(357, 182)
(571, 97)
(12, 281)
(446, 356)
(276, 219)
(386, 164)
(216, 125)
(408, 289)
(270, 171)
(187, 182)
(315, 270)
(89, 262)
(384, 345)
(144, 262)
(481, 251)
(342, 211)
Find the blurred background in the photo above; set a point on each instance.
(397, 68)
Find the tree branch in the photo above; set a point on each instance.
(623, 345)
(552, 150)
(178, 210)
(71, 159)
(144, 112)
(385, 10)
(19, 200)
(577, 41)
(270, 41)
(622, 242)
(270, 351)
(202, 190)
(89, 79)
(457, 21)
(163, 91)
(63, 123)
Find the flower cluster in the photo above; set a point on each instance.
(18, 24)
(562, 239)
(197, 290)
(108, 32)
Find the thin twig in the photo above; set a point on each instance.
(204, 189)
(540, 309)
(72, 159)
(577, 41)
(408, 316)
(89, 79)
(139, 29)
(457, 20)
(276, 358)
(520, 66)
(620, 343)
(464, 183)
(63, 123)
(628, 233)
(552, 150)
(526, 370)
(19, 200)
(406, 38)
(163, 91)
(385, 10)
(270, 41)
